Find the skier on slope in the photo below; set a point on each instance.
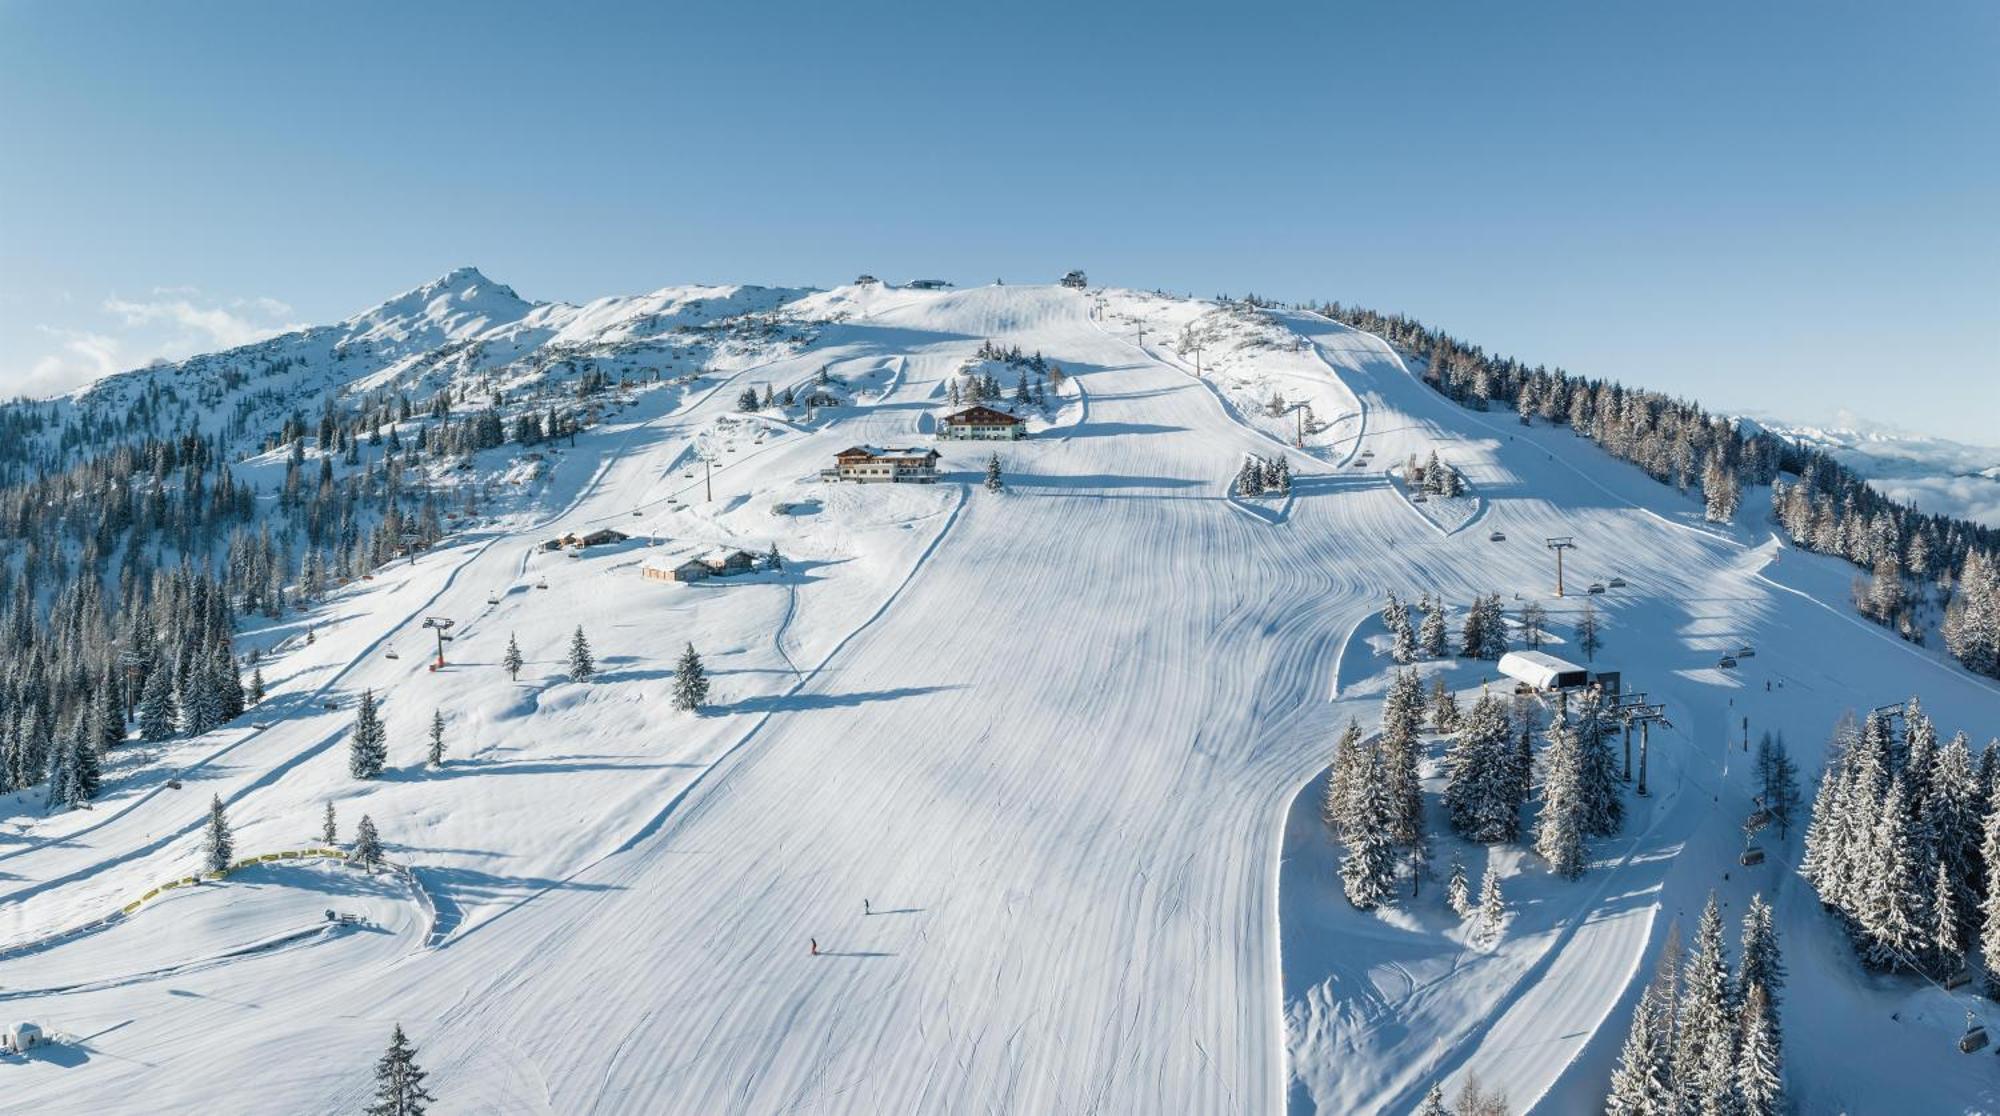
(815, 946)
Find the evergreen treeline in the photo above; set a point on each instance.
(74, 676)
(1262, 476)
(1829, 508)
(1902, 841)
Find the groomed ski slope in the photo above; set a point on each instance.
(1058, 737)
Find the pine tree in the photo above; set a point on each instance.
(1603, 800)
(85, 771)
(581, 665)
(1402, 720)
(1403, 639)
(157, 716)
(329, 831)
(1587, 636)
(256, 685)
(1343, 780)
(367, 850)
(1481, 789)
(1368, 871)
(1559, 829)
(1640, 1086)
(1760, 964)
(218, 848)
(1759, 1061)
(1892, 904)
(1704, 1043)
(1431, 636)
(993, 482)
(1458, 890)
(690, 682)
(1989, 934)
(368, 749)
(1492, 910)
(772, 559)
(1444, 707)
(1434, 1103)
(437, 738)
(512, 659)
(399, 1083)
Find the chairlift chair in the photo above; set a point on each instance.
(1616, 583)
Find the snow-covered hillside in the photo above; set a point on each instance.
(1935, 474)
(1003, 801)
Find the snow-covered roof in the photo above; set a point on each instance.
(1542, 671)
(887, 451)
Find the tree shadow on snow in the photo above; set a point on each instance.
(794, 703)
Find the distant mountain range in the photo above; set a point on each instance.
(1935, 474)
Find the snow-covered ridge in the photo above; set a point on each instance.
(1935, 474)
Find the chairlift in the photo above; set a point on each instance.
(1497, 536)
(1746, 652)
(1753, 855)
(1596, 587)
(1974, 1038)
(391, 653)
(542, 584)
(492, 598)
(1616, 583)
(1727, 662)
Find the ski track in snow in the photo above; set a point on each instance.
(1066, 738)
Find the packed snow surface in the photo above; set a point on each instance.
(1064, 740)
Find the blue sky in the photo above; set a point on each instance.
(1781, 207)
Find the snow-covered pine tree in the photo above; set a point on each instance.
(367, 850)
(1458, 889)
(437, 738)
(1402, 720)
(85, 769)
(1344, 775)
(329, 829)
(1480, 787)
(1559, 827)
(367, 748)
(581, 664)
(772, 559)
(218, 847)
(1704, 1049)
(157, 715)
(1989, 933)
(690, 682)
(256, 685)
(1759, 1076)
(1434, 1103)
(1891, 914)
(1760, 963)
(399, 1082)
(1472, 637)
(1950, 821)
(1588, 638)
(1640, 1086)
(993, 481)
(1496, 629)
(1368, 871)
(747, 401)
(1492, 910)
(1603, 800)
(1433, 476)
(512, 659)
(1444, 707)
(200, 703)
(1432, 636)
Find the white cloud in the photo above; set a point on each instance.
(205, 328)
(79, 358)
(170, 324)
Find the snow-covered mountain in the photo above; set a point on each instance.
(1935, 474)
(1005, 797)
